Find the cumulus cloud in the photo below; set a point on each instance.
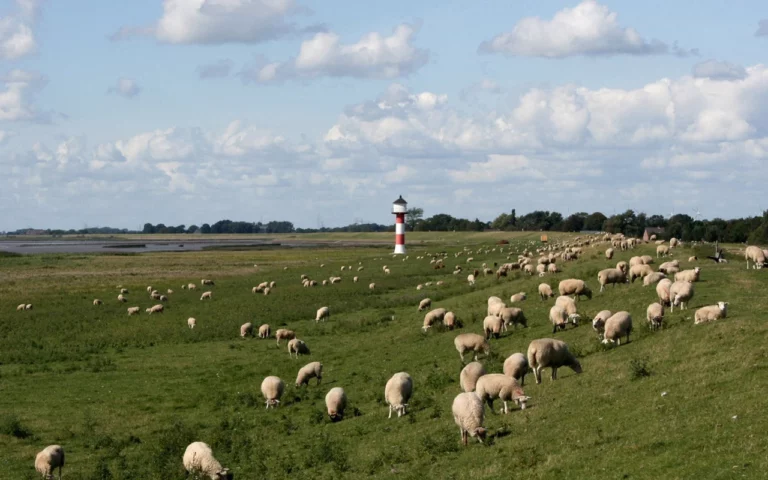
(373, 56)
(762, 28)
(719, 70)
(221, 21)
(588, 29)
(125, 87)
(17, 38)
(17, 91)
(219, 69)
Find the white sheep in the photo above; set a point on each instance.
(512, 316)
(492, 325)
(639, 271)
(545, 291)
(575, 287)
(124, 291)
(206, 295)
(425, 304)
(435, 316)
(471, 279)
(97, 302)
(548, 352)
(655, 277)
(355, 279)
(558, 317)
(662, 251)
(191, 322)
(609, 253)
(284, 333)
(21, 307)
(163, 298)
(495, 309)
(610, 276)
(618, 325)
(449, 320)
(323, 314)
(655, 315)
(670, 268)
(689, 276)
(569, 305)
(503, 387)
(133, 310)
(159, 308)
(466, 342)
(121, 298)
(309, 371)
(246, 330)
(711, 313)
(298, 347)
(680, 293)
(371, 286)
(335, 403)
(198, 458)
(468, 413)
(265, 331)
(191, 286)
(272, 388)
(662, 291)
(469, 376)
(518, 297)
(397, 393)
(598, 323)
(516, 366)
(48, 460)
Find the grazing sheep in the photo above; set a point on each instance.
(689, 276)
(425, 304)
(432, 317)
(206, 281)
(548, 352)
(528, 269)
(466, 342)
(471, 279)
(558, 317)
(618, 325)
(169, 292)
(503, 387)
(149, 289)
(639, 271)
(469, 376)
(97, 302)
(647, 259)
(335, 403)
(635, 261)
(670, 268)
(693, 259)
(598, 323)
(513, 316)
(355, 279)
(323, 314)
(48, 460)
(309, 371)
(680, 293)
(468, 413)
(297, 347)
(449, 320)
(124, 291)
(655, 315)
(493, 300)
(267, 290)
(516, 366)
(198, 458)
(609, 253)
(163, 298)
(552, 268)
(191, 286)
(371, 286)
(492, 325)
(610, 276)
(397, 392)
(569, 305)
(246, 330)
(673, 242)
(265, 331)
(191, 322)
(272, 388)
(662, 251)
(518, 297)
(623, 266)
(159, 308)
(133, 310)
(545, 291)
(21, 307)
(206, 295)
(575, 287)
(121, 298)
(711, 313)
(655, 277)
(284, 333)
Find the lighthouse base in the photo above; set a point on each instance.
(399, 250)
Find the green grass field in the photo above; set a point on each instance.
(125, 395)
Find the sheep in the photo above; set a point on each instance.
(673, 242)
(97, 302)
(191, 286)
(548, 352)
(503, 387)
(670, 268)
(693, 259)
(163, 298)
(647, 259)
(198, 458)
(610, 276)
(635, 261)
(545, 291)
(169, 292)
(298, 347)
(272, 388)
(323, 314)
(206, 295)
(662, 291)
(48, 460)
(518, 297)
(246, 330)
(449, 320)
(623, 266)
(267, 290)
(355, 279)
(468, 412)
(680, 293)
(133, 310)
(397, 392)
(528, 269)
(655, 315)
(516, 366)
(433, 317)
(386, 271)
(639, 271)
(191, 322)
(465, 342)
(335, 403)
(662, 251)
(552, 268)
(469, 376)
(492, 300)
(149, 289)
(371, 286)
(124, 291)
(492, 325)
(598, 323)
(618, 325)
(206, 282)
(558, 317)
(495, 308)
(513, 316)
(21, 307)
(159, 308)
(471, 279)
(284, 333)
(121, 298)
(183, 287)
(309, 371)
(265, 331)
(655, 277)
(575, 287)
(689, 276)
(425, 304)
(569, 306)
(711, 313)
(609, 253)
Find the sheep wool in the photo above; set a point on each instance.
(503, 387)
(468, 413)
(618, 325)
(309, 371)
(711, 313)
(397, 393)
(469, 376)
(516, 366)
(548, 352)
(466, 342)
(48, 460)
(335, 403)
(272, 388)
(198, 458)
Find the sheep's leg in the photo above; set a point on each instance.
(461, 354)
(537, 374)
(464, 435)
(506, 410)
(390, 411)
(554, 373)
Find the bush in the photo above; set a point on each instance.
(11, 425)
(638, 368)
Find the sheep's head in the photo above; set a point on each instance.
(334, 415)
(574, 318)
(576, 365)
(723, 306)
(224, 474)
(598, 325)
(676, 300)
(522, 401)
(480, 433)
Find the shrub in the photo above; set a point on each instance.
(638, 368)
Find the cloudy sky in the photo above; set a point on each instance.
(190, 111)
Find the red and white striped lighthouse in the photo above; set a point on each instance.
(399, 208)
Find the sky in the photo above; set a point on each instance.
(324, 112)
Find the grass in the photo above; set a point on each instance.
(125, 395)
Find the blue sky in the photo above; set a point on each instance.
(329, 110)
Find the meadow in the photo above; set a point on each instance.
(125, 395)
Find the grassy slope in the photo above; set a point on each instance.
(127, 394)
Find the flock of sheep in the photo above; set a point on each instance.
(478, 387)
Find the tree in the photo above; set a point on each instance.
(412, 217)
(192, 229)
(574, 223)
(594, 222)
(148, 228)
(760, 234)
(205, 228)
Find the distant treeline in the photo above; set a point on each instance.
(740, 230)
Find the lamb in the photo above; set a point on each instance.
(206, 295)
(498, 385)
(198, 458)
(298, 347)
(662, 291)
(610, 276)
(469, 376)
(655, 315)
(425, 304)
(272, 388)
(284, 333)
(513, 316)
(246, 330)
(48, 460)
(265, 331)
(609, 253)
(335, 403)
(680, 293)
(309, 371)
(433, 317)
(575, 287)
(655, 277)
(569, 306)
(492, 325)
(689, 276)
(545, 291)
(466, 342)
(133, 310)
(516, 366)
(598, 323)
(662, 251)
(121, 298)
(191, 322)
(323, 314)
(97, 302)
(397, 392)
(639, 271)
(558, 317)
(159, 308)
(711, 313)
(449, 320)
(548, 352)
(468, 412)
(617, 326)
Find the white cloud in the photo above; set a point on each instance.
(762, 28)
(586, 29)
(719, 70)
(373, 56)
(125, 87)
(17, 91)
(219, 69)
(17, 38)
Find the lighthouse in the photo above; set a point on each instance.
(399, 207)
